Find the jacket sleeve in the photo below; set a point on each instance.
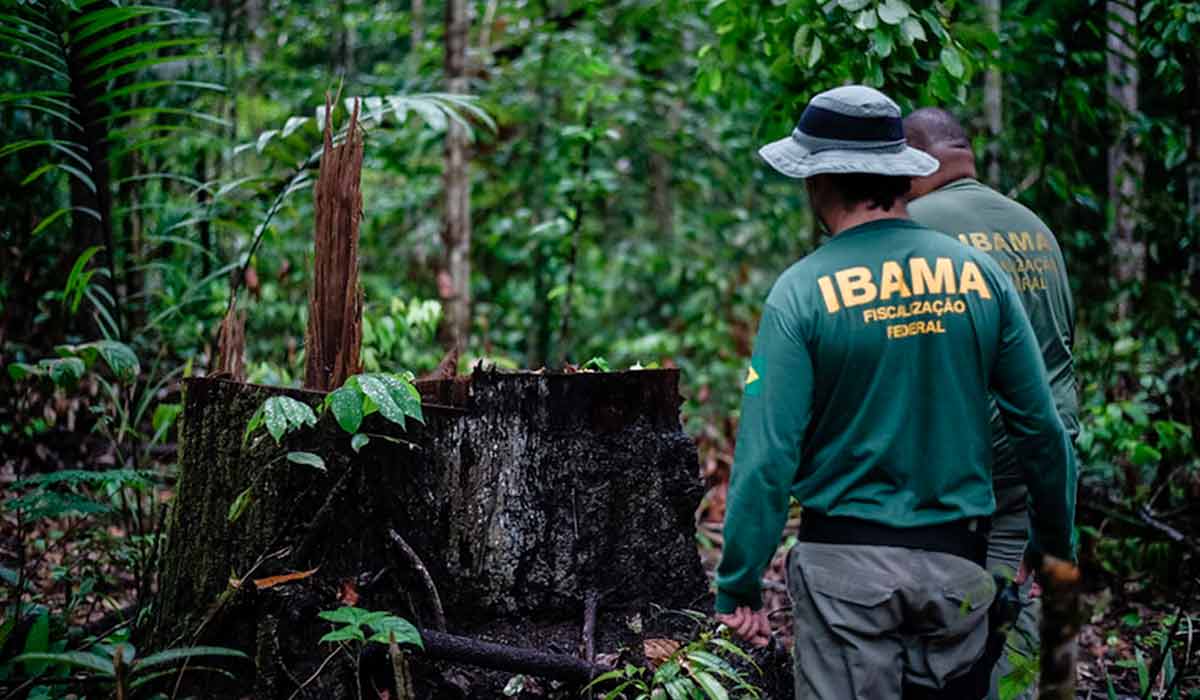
(1041, 442)
(775, 413)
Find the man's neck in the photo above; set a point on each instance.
(843, 219)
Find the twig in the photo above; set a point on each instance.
(439, 615)
(590, 603)
(316, 673)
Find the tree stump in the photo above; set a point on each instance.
(523, 494)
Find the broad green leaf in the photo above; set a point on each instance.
(255, 421)
(1143, 672)
(64, 371)
(679, 688)
(853, 5)
(347, 405)
(240, 504)
(21, 370)
(866, 20)
(348, 614)
(814, 54)
(308, 459)
(911, 30)
(881, 42)
(894, 11)
(358, 441)
(952, 61)
(404, 393)
(1143, 454)
(344, 634)
(800, 42)
(710, 661)
(299, 414)
(164, 416)
(181, 653)
(711, 687)
(73, 659)
(117, 355)
(37, 642)
(275, 418)
(403, 630)
(376, 390)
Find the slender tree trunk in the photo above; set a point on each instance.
(456, 227)
(993, 99)
(1125, 166)
(253, 17)
(418, 22)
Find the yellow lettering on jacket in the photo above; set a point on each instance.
(1043, 241)
(1020, 241)
(855, 286)
(827, 293)
(972, 281)
(926, 281)
(892, 281)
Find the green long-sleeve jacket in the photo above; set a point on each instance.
(867, 397)
(1026, 249)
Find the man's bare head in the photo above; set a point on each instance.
(938, 133)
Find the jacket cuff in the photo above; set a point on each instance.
(727, 602)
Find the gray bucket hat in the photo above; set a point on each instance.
(851, 129)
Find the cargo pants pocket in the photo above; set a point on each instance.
(845, 641)
(957, 614)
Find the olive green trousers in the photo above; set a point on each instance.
(871, 619)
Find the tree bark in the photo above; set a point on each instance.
(519, 494)
(456, 226)
(993, 99)
(1125, 166)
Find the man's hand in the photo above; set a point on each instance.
(750, 625)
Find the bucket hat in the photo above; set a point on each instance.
(850, 129)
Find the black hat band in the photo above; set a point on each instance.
(828, 124)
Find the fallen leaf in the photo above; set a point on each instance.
(657, 651)
(272, 581)
(348, 592)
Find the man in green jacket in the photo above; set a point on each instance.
(866, 400)
(952, 201)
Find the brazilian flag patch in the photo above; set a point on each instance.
(753, 381)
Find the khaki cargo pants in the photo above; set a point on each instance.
(871, 619)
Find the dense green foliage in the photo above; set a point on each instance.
(157, 157)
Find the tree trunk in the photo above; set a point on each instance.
(993, 100)
(418, 23)
(1125, 167)
(521, 494)
(456, 227)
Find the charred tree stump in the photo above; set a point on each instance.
(521, 494)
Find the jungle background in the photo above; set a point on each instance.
(611, 213)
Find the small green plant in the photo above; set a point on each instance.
(356, 628)
(366, 627)
(118, 668)
(391, 395)
(694, 672)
